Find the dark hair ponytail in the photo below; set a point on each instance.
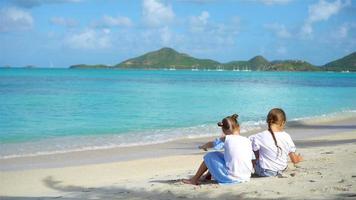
(274, 138)
(230, 123)
(275, 116)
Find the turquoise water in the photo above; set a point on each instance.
(81, 109)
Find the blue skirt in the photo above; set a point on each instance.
(216, 164)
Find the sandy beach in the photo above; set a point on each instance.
(154, 171)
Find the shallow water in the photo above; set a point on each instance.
(48, 110)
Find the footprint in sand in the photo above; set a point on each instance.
(350, 195)
(265, 192)
(312, 190)
(340, 188)
(282, 176)
(328, 152)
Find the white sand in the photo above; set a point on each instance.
(328, 172)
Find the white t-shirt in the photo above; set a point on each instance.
(268, 158)
(238, 155)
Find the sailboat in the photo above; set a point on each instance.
(246, 69)
(194, 68)
(236, 69)
(219, 68)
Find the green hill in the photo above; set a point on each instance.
(168, 58)
(259, 63)
(347, 63)
(291, 65)
(240, 65)
(255, 63)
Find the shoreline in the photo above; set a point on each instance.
(327, 172)
(300, 130)
(167, 69)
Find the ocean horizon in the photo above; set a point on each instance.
(45, 111)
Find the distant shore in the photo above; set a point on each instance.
(169, 59)
(173, 70)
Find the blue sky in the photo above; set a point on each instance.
(65, 32)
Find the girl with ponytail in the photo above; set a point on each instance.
(273, 146)
(234, 164)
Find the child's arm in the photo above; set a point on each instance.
(257, 155)
(295, 158)
(206, 146)
(211, 144)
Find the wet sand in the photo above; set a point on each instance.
(153, 171)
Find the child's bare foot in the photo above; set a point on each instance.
(207, 177)
(190, 181)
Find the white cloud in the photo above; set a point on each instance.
(109, 21)
(281, 50)
(266, 2)
(274, 2)
(67, 22)
(198, 1)
(157, 37)
(156, 13)
(344, 31)
(307, 29)
(166, 35)
(90, 39)
(279, 29)
(202, 24)
(15, 19)
(322, 11)
(207, 35)
(199, 23)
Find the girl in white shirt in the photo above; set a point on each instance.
(273, 146)
(234, 164)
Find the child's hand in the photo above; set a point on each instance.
(203, 147)
(300, 158)
(295, 158)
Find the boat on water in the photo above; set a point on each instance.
(236, 69)
(219, 68)
(246, 70)
(194, 68)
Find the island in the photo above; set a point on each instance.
(170, 59)
(347, 63)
